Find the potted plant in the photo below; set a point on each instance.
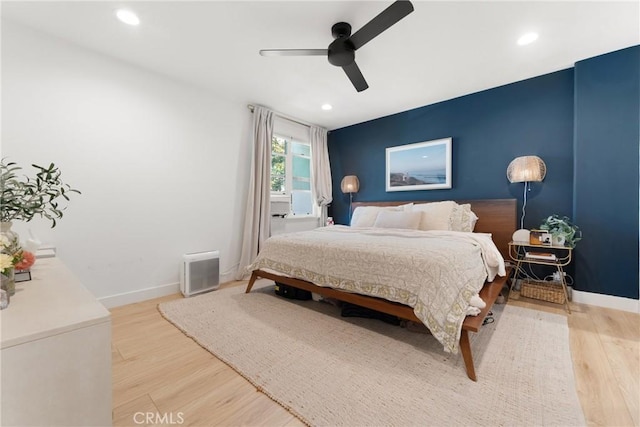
(563, 231)
(23, 198)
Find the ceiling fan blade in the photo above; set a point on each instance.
(293, 52)
(380, 23)
(356, 77)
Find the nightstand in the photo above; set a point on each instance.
(555, 256)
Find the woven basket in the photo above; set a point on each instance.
(546, 291)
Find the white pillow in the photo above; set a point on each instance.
(463, 218)
(398, 219)
(435, 215)
(365, 216)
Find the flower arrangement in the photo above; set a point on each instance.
(23, 198)
(562, 228)
(28, 259)
(11, 254)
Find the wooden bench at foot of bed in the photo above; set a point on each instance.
(489, 294)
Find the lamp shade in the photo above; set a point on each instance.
(526, 169)
(350, 184)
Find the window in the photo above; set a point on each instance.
(291, 174)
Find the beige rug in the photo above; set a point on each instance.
(329, 370)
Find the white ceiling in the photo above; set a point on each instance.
(442, 50)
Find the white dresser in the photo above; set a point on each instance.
(55, 356)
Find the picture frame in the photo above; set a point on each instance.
(540, 237)
(419, 166)
(22, 275)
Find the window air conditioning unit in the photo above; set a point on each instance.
(199, 272)
(280, 208)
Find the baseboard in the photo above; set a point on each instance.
(139, 295)
(227, 276)
(149, 293)
(608, 301)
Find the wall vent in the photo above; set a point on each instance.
(199, 272)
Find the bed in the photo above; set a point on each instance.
(376, 279)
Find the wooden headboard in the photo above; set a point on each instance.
(496, 216)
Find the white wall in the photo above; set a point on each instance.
(162, 166)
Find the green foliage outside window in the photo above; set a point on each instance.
(278, 164)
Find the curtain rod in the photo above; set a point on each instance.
(282, 116)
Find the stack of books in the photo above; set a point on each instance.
(545, 256)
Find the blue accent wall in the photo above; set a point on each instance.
(607, 135)
(540, 116)
(489, 129)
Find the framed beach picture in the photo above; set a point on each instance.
(420, 166)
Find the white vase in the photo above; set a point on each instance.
(8, 281)
(5, 229)
(4, 299)
(558, 239)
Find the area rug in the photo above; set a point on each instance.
(329, 370)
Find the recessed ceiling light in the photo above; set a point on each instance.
(127, 17)
(326, 107)
(527, 38)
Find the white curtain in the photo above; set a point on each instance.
(321, 170)
(257, 215)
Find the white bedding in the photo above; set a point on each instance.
(435, 272)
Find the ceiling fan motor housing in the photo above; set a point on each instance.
(341, 51)
(341, 30)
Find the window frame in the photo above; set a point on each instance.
(287, 195)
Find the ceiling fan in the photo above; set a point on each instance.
(341, 52)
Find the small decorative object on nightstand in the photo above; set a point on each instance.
(540, 237)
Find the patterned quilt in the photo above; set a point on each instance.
(434, 272)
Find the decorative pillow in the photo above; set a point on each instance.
(398, 219)
(463, 218)
(473, 219)
(435, 215)
(365, 216)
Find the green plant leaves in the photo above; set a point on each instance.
(23, 198)
(562, 225)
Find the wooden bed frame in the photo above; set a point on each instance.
(497, 216)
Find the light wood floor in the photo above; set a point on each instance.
(161, 377)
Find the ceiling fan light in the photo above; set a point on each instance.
(326, 107)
